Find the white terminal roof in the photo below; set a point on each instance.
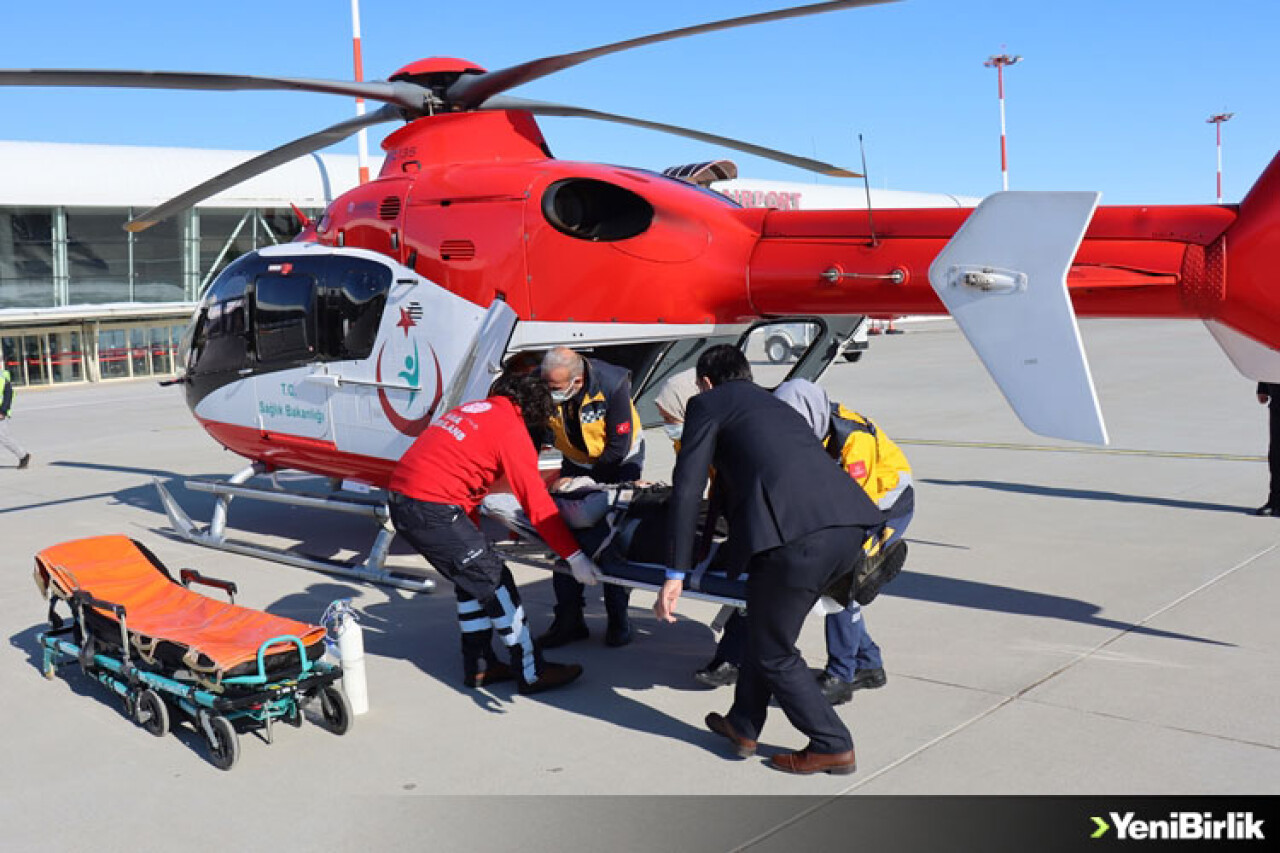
(44, 174)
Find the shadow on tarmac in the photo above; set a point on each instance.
(423, 631)
(976, 595)
(1088, 495)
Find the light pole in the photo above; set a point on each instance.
(358, 58)
(1216, 121)
(999, 62)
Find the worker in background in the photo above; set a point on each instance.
(435, 489)
(597, 431)
(1269, 395)
(7, 441)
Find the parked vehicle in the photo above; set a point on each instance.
(787, 341)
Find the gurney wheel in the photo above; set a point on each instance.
(224, 746)
(150, 712)
(335, 709)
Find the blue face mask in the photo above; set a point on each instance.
(674, 431)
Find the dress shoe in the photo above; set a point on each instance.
(1265, 509)
(835, 689)
(494, 672)
(717, 674)
(805, 762)
(553, 675)
(869, 679)
(565, 629)
(742, 747)
(24, 461)
(617, 633)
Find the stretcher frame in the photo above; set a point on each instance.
(159, 701)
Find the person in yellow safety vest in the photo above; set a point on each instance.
(6, 440)
(597, 430)
(879, 466)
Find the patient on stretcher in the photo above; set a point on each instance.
(623, 527)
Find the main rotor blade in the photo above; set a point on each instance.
(408, 95)
(262, 163)
(544, 108)
(470, 90)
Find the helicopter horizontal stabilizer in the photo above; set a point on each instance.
(1003, 277)
(1254, 360)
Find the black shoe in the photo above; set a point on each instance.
(878, 571)
(717, 674)
(837, 691)
(565, 629)
(553, 675)
(24, 461)
(618, 633)
(869, 679)
(1265, 509)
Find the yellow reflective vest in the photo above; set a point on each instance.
(870, 456)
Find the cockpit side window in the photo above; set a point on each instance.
(351, 311)
(284, 317)
(219, 335)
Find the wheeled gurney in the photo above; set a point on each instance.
(168, 650)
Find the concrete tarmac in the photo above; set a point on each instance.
(1072, 620)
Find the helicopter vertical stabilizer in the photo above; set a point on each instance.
(1004, 279)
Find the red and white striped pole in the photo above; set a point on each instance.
(1216, 121)
(999, 63)
(363, 136)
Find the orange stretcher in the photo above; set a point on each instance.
(164, 647)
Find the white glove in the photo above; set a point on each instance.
(825, 606)
(584, 569)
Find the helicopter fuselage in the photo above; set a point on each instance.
(470, 211)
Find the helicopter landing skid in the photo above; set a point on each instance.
(372, 569)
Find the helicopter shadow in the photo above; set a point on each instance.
(422, 629)
(977, 595)
(1088, 495)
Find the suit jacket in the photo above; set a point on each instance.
(778, 481)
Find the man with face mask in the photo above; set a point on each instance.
(598, 432)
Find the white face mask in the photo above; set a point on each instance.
(674, 431)
(564, 394)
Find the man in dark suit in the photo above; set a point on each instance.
(797, 519)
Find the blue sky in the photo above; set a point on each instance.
(1111, 95)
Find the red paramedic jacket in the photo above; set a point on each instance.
(459, 456)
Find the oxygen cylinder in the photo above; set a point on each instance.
(340, 620)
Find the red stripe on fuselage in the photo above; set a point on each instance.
(316, 456)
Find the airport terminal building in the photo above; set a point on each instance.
(83, 300)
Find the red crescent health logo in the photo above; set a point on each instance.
(406, 426)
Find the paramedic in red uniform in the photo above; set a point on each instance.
(436, 487)
(598, 432)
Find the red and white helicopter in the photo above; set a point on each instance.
(330, 354)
